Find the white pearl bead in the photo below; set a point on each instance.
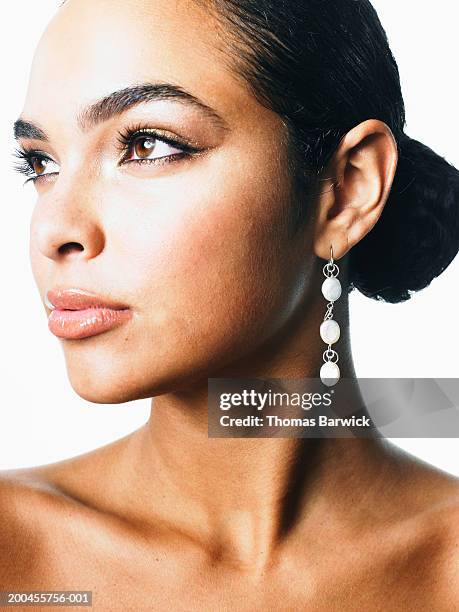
(331, 289)
(329, 373)
(329, 331)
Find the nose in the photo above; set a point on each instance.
(65, 226)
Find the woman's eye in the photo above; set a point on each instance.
(42, 165)
(35, 165)
(137, 148)
(149, 147)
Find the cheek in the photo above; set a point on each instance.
(41, 266)
(208, 260)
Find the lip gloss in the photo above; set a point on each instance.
(77, 324)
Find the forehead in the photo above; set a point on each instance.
(94, 47)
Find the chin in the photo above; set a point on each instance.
(102, 392)
(105, 374)
(117, 383)
(103, 381)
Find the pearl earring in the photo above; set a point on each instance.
(329, 328)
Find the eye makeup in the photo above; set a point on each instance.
(135, 144)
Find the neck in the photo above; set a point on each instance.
(241, 498)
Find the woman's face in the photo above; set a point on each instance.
(196, 242)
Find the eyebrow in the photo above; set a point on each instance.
(120, 101)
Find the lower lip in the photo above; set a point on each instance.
(77, 324)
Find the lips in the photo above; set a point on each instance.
(76, 313)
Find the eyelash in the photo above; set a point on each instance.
(25, 166)
(126, 140)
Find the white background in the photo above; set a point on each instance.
(43, 420)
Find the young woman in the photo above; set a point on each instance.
(195, 162)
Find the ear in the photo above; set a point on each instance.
(355, 188)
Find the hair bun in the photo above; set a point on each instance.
(417, 235)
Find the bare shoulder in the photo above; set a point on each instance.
(432, 527)
(445, 529)
(42, 507)
(441, 554)
(23, 502)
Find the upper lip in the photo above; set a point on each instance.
(79, 299)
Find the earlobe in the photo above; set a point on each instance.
(360, 177)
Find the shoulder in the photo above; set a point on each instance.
(406, 532)
(441, 535)
(23, 495)
(44, 507)
(428, 535)
(24, 501)
(41, 510)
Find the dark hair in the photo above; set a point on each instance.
(325, 66)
